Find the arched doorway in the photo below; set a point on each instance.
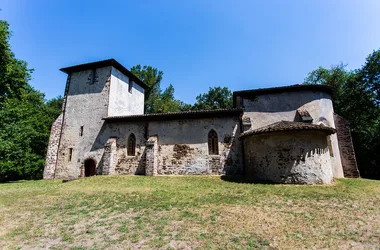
(89, 167)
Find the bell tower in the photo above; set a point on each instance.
(93, 91)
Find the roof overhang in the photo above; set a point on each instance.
(177, 115)
(284, 126)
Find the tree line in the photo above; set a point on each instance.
(26, 116)
(356, 97)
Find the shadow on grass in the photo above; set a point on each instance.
(243, 179)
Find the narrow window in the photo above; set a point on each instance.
(93, 76)
(131, 145)
(70, 153)
(330, 146)
(213, 143)
(81, 131)
(130, 86)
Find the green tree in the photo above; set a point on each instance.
(54, 107)
(24, 134)
(156, 100)
(14, 73)
(370, 74)
(370, 79)
(25, 117)
(354, 97)
(215, 98)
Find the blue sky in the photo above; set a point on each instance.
(197, 44)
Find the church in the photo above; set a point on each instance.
(287, 134)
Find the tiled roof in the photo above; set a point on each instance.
(105, 63)
(289, 126)
(176, 115)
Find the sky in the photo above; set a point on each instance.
(197, 44)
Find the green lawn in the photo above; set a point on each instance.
(121, 212)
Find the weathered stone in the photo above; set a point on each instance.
(346, 147)
(300, 157)
(151, 156)
(52, 151)
(267, 108)
(109, 157)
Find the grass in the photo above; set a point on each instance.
(204, 212)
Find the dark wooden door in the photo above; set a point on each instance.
(89, 168)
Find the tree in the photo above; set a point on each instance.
(152, 78)
(25, 117)
(370, 79)
(215, 98)
(24, 134)
(156, 100)
(54, 106)
(14, 73)
(370, 74)
(355, 97)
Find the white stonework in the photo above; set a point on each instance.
(126, 97)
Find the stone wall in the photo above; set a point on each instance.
(346, 147)
(183, 146)
(151, 156)
(109, 160)
(175, 147)
(52, 151)
(300, 157)
(86, 104)
(266, 109)
(114, 136)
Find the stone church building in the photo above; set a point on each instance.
(284, 135)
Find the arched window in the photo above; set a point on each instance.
(213, 143)
(131, 145)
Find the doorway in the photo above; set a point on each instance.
(89, 167)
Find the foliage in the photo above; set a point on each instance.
(14, 73)
(159, 101)
(54, 106)
(370, 74)
(25, 118)
(156, 100)
(356, 98)
(215, 98)
(24, 134)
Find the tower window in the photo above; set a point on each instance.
(93, 76)
(213, 143)
(130, 86)
(70, 154)
(81, 131)
(131, 145)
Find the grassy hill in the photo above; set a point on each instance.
(206, 212)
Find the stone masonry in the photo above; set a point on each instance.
(52, 152)
(346, 147)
